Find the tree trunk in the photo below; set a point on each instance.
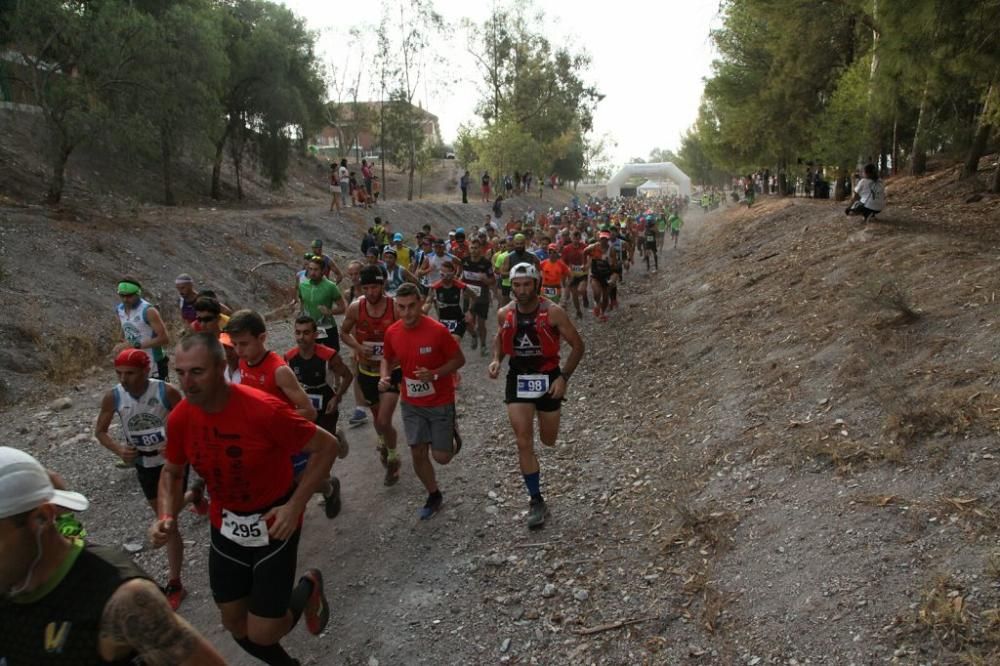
(995, 187)
(983, 131)
(165, 155)
(217, 171)
(413, 168)
(895, 144)
(918, 160)
(381, 147)
(59, 160)
(840, 189)
(873, 126)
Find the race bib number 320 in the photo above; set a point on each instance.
(416, 388)
(532, 386)
(245, 530)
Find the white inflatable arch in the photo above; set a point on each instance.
(656, 169)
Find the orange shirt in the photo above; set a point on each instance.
(553, 272)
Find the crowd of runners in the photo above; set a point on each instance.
(250, 434)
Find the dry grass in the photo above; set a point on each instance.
(957, 411)
(68, 356)
(709, 529)
(888, 295)
(963, 634)
(943, 614)
(275, 252)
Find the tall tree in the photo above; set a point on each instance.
(181, 69)
(77, 56)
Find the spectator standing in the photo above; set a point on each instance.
(367, 173)
(343, 177)
(486, 187)
(463, 184)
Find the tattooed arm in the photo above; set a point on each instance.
(138, 619)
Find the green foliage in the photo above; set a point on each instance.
(842, 134)
(533, 94)
(841, 81)
(403, 138)
(76, 58)
(465, 147)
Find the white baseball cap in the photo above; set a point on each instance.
(24, 485)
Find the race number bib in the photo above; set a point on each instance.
(577, 269)
(248, 531)
(149, 444)
(418, 388)
(316, 400)
(450, 324)
(375, 349)
(532, 386)
(472, 276)
(551, 292)
(475, 289)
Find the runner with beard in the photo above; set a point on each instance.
(519, 254)
(529, 332)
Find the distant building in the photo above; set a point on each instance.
(341, 137)
(15, 70)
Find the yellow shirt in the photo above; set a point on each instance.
(402, 255)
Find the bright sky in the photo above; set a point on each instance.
(648, 59)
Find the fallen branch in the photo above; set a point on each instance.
(613, 625)
(271, 263)
(536, 545)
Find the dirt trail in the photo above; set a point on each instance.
(781, 450)
(402, 591)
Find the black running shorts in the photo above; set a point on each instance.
(545, 403)
(369, 385)
(262, 575)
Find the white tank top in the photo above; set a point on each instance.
(144, 421)
(136, 328)
(435, 262)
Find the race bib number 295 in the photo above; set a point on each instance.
(245, 530)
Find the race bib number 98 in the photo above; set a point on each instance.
(532, 386)
(248, 531)
(316, 400)
(416, 388)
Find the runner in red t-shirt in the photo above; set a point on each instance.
(266, 370)
(240, 441)
(428, 355)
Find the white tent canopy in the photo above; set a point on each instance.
(656, 186)
(656, 169)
